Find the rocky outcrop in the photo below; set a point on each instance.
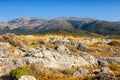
(60, 57)
(57, 57)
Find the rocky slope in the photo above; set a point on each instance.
(86, 55)
(28, 25)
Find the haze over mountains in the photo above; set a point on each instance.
(29, 25)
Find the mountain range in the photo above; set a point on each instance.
(30, 25)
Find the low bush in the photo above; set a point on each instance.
(17, 73)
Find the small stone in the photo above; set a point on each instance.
(105, 70)
(96, 71)
(77, 73)
(101, 63)
(82, 47)
(80, 72)
(83, 71)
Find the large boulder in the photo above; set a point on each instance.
(81, 71)
(27, 77)
(102, 63)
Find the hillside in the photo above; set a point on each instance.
(28, 25)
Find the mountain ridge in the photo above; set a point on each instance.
(33, 25)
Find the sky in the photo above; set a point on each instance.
(99, 9)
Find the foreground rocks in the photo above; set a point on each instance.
(57, 53)
(59, 57)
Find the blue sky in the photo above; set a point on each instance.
(100, 9)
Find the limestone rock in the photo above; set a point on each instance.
(27, 77)
(36, 55)
(113, 59)
(5, 44)
(4, 53)
(80, 72)
(102, 63)
(82, 47)
(63, 49)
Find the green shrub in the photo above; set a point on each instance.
(17, 73)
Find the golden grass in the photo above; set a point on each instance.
(115, 68)
(38, 37)
(29, 37)
(72, 48)
(11, 49)
(1, 68)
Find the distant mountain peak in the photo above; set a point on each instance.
(33, 25)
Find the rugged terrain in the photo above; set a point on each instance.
(64, 48)
(59, 57)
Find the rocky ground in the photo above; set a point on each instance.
(58, 58)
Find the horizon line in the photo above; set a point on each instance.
(48, 18)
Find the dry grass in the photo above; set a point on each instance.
(38, 37)
(115, 68)
(29, 38)
(1, 68)
(72, 48)
(41, 73)
(11, 49)
(12, 39)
